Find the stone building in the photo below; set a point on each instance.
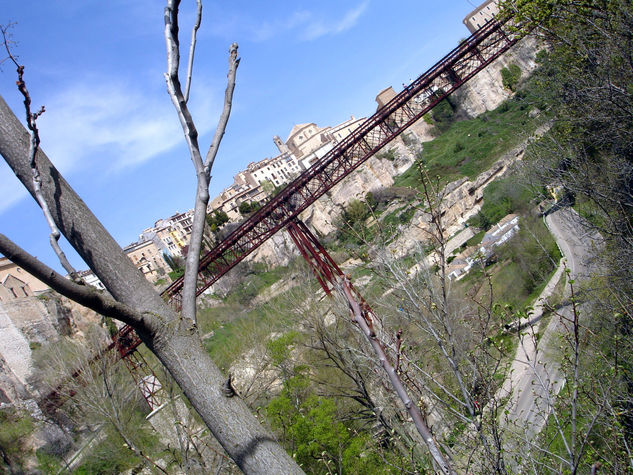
(277, 170)
(148, 258)
(170, 235)
(306, 144)
(385, 96)
(13, 288)
(245, 188)
(481, 15)
(15, 282)
(91, 279)
(181, 225)
(309, 143)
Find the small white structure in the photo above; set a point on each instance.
(496, 236)
(499, 233)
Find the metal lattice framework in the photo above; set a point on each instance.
(326, 270)
(446, 76)
(126, 341)
(417, 99)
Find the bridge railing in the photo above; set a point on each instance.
(417, 99)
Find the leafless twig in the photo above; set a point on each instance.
(203, 169)
(31, 118)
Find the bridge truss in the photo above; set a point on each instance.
(417, 99)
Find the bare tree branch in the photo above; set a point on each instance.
(173, 82)
(192, 48)
(173, 340)
(234, 62)
(31, 118)
(414, 412)
(203, 170)
(83, 294)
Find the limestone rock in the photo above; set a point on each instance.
(27, 324)
(462, 199)
(485, 91)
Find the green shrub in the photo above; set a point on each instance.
(532, 255)
(443, 115)
(510, 76)
(15, 429)
(408, 139)
(247, 207)
(389, 154)
(216, 220)
(502, 197)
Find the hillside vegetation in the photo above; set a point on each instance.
(295, 356)
(453, 348)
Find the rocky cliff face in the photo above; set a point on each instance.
(374, 174)
(485, 91)
(482, 93)
(321, 217)
(461, 199)
(26, 325)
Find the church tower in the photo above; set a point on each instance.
(283, 148)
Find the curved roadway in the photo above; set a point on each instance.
(535, 377)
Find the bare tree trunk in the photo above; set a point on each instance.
(175, 341)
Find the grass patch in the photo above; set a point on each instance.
(211, 318)
(234, 334)
(502, 197)
(400, 216)
(524, 266)
(256, 278)
(476, 239)
(469, 147)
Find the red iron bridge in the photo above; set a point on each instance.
(469, 58)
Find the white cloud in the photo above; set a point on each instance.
(114, 120)
(308, 25)
(92, 121)
(318, 28)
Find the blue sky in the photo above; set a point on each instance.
(110, 127)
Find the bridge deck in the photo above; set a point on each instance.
(417, 99)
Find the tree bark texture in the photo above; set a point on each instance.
(173, 340)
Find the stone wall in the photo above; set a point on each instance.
(27, 324)
(485, 91)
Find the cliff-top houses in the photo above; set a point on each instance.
(16, 283)
(306, 144)
(481, 15)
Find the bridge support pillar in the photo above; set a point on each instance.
(332, 278)
(126, 342)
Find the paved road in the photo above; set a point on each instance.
(535, 378)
